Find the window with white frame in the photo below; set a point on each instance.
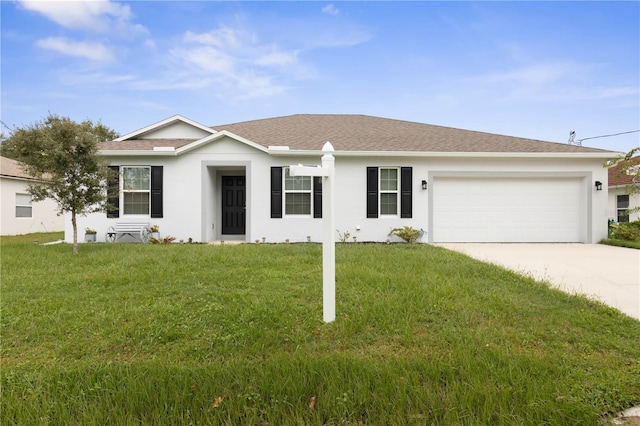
(297, 194)
(622, 205)
(23, 205)
(389, 191)
(136, 190)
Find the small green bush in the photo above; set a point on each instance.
(165, 240)
(407, 233)
(629, 231)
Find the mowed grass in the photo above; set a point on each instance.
(197, 334)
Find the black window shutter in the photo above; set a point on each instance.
(276, 192)
(406, 198)
(372, 192)
(317, 197)
(113, 192)
(156, 191)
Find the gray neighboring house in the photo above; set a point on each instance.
(620, 200)
(19, 214)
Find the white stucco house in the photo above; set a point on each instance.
(18, 213)
(619, 198)
(231, 182)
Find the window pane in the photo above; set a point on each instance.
(388, 179)
(23, 199)
(22, 211)
(623, 216)
(136, 178)
(136, 203)
(388, 203)
(623, 201)
(296, 183)
(298, 203)
(23, 205)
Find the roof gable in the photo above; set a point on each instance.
(169, 146)
(176, 127)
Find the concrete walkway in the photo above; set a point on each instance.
(605, 273)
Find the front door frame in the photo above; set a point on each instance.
(236, 212)
(211, 190)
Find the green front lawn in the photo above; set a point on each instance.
(621, 243)
(233, 334)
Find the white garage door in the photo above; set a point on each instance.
(507, 210)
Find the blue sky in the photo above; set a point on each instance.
(529, 69)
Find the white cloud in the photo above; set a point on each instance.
(330, 9)
(276, 59)
(94, 15)
(252, 86)
(556, 83)
(153, 105)
(150, 44)
(89, 50)
(223, 38)
(205, 58)
(615, 92)
(532, 75)
(234, 62)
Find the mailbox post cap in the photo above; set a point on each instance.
(327, 147)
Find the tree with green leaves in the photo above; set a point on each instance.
(62, 156)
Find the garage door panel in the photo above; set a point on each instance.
(506, 210)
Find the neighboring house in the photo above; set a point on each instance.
(619, 198)
(231, 182)
(19, 214)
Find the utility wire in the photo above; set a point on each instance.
(606, 136)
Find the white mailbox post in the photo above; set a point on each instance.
(327, 172)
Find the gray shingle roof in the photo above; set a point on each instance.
(366, 133)
(617, 177)
(12, 168)
(143, 144)
(362, 133)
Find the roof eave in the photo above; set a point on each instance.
(300, 152)
(136, 153)
(28, 179)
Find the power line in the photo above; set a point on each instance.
(578, 142)
(606, 136)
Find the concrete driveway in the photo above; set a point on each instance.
(605, 273)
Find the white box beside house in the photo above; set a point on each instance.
(619, 198)
(19, 214)
(231, 182)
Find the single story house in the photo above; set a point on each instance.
(620, 201)
(232, 182)
(19, 214)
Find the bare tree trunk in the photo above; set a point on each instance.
(75, 231)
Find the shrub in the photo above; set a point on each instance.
(166, 240)
(407, 233)
(629, 231)
(343, 236)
